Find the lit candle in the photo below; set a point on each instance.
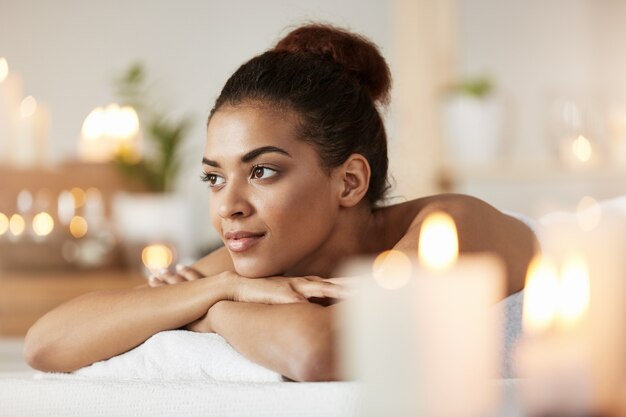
(459, 335)
(66, 207)
(4, 224)
(10, 96)
(554, 357)
(43, 224)
(424, 337)
(29, 146)
(157, 257)
(78, 227)
(572, 351)
(16, 226)
(110, 132)
(578, 152)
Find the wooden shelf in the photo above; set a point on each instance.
(26, 296)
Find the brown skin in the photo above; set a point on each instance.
(298, 340)
(310, 220)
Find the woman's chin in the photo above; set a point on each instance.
(251, 269)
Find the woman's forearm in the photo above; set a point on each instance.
(99, 325)
(296, 340)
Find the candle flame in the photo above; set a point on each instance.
(28, 107)
(125, 123)
(575, 293)
(43, 224)
(17, 225)
(4, 224)
(4, 69)
(581, 148)
(540, 295)
(94, 125)
(78, 227)
(157, 257)
(438, 242)
(392, 269)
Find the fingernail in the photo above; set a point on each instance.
(180, 267)
(162, 271)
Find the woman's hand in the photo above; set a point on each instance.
(183, 273)
(272, 290)
(279, 290)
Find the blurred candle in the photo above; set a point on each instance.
(554, 357)
(78, 227)
(572, 358)
(65, 207)
(16, 225)
(110, 132)
(157, 257)
(4, 224)
(431, 344)
(10, 96)
(577, 152)
(453, 301)
(29, 146)
(43, 224)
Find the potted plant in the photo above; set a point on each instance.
(158, 215)
(473, 121)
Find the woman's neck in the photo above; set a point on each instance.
(356, 232)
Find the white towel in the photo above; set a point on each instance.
(179, 355)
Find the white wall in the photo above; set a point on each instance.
(69, 51)
(536, 51)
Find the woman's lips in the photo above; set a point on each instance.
(242, 241)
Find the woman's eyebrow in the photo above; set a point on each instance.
(263, 149)
(250, 155)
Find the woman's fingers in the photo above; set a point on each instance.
(154, 281)
(266, 291)
(187, 273)
(183, 274)
(278, 290)
(321, 289)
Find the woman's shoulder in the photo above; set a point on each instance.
(397, 220)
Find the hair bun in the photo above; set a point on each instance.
(358, 56)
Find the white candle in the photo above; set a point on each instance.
(428, 344)
(459, 334)
(29, 146)
(10, 96)
(573, 360)
(110, 132)
(157, 257)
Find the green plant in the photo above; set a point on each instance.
(478, 87)
(158, 169)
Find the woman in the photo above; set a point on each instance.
(296, 164)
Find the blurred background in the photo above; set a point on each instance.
(103, 109)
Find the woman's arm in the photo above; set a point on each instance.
(103, 324)
(481, 228)
(296, 340)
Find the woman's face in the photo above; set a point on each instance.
(271, 202)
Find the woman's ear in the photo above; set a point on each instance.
(354, 179)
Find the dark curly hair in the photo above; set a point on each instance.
(333, 80)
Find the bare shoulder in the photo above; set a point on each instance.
(215, 262)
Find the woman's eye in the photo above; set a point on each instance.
(214, 180)
(261, 173)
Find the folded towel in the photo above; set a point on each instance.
(179, 355)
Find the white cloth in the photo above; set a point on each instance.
(178, 355)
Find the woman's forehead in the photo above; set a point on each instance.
(236, 131)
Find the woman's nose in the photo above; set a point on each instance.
(233, 202)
